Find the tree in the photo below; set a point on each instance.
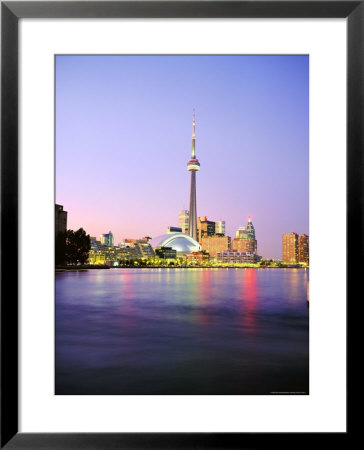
(60, 249)
(77, 246)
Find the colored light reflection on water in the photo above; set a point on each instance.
(249, 298)
(196, 331)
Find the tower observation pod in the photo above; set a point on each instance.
(193, 166)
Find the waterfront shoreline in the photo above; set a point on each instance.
(79, 268)
(92, 267)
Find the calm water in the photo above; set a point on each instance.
(180, 331)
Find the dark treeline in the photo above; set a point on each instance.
(72, 247)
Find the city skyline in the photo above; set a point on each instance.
(123, 133)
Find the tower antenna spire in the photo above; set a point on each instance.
(193, 134)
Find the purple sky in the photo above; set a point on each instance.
(123, 139)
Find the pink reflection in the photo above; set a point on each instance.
(204, 296)
(249, 297)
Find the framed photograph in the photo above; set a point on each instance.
(173, 177)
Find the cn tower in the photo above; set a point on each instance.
(193, 166)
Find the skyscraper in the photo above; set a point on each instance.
(184, 220)
(290, 248)
(220, 227)
(250, 228)
(303, 249)
(245, 240)
(107, 239)
(244, 245)
(205, 228)
(61, 220)
(193, 166)
(215, 244)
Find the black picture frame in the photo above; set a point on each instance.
(11, 12)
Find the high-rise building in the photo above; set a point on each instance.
(250, 229)
(290, 248)
(193, 166)
(215, 244)
(107, 239)
(60, 220)
(245, 240)
(205, 228)
(184, 220)
(303, 249)
(244, 245)
(220, 227)
(240, 232)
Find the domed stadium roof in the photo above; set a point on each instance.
(181, 242)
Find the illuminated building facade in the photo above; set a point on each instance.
(215, 244)
(245, 240)
(244, 245)
(103, 254)
(240, 232)
(127, 253)
(197, 257)
(60, 219)
(166, 253)
(107, 239)
(205, 228)
(290, 248)
(193, 166)
(144, 249)
(250, 229)
(303, 249)
(98, 253)
(220, 227)
(233, 256)
(184, 220)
